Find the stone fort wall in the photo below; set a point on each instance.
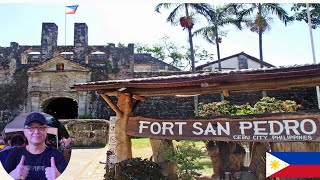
(105, 61)
(87, 132)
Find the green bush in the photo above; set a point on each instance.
(265, 105)
(86, 116)
(272, 105)
(187, 157)
(137, 168)
(223, 108)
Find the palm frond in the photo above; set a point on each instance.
(164, 5)
(201, 8)
(276, 9)
(207, 33)
(173, 15)
(242, 10)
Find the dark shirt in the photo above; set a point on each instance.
(36, 162)
(4, 155)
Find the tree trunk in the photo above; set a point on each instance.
(218, 54)
(213, 152)
(123, 148)
(195, 98)
(295, 146)
(258, 153)
(168, 167)
(260, 38)
(217, 40)
(191, 44)
(260, 49)
(225, 157)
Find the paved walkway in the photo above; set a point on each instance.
(84, 164)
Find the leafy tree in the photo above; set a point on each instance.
(217, 18)
(174, 54)
(300, 10)
(190, 9)
(258, 17)
(187, 156)
(121, 45)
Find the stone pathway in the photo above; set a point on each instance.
(84, 164)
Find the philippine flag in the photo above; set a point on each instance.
(292, 164)
(71, 9)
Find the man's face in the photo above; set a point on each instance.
(35, 133)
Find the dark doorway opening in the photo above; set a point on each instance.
(62, 108)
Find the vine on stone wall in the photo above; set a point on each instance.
(13, 95)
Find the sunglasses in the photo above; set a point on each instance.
(33, 128)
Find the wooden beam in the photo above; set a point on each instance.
(231, 86)
(302, 72)
(226, 93)
(112, 105)
(140, 98)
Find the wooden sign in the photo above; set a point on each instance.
(112, 142)
(272, 128)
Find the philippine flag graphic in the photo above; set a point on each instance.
(292, 164)
(71, 9)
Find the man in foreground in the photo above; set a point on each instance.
(36, 160)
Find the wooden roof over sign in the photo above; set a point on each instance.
(211, 82)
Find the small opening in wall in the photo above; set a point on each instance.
(59, 66)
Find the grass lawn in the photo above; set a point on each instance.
(141, 148)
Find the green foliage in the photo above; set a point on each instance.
(258, 16)
(121, 45)
(272, 105)
(137, 168)
(244, 109)
(223, 108)
(86, 116)
(174, 54)
(265, 105)
(115, 70)
(218, 17)
(301, 13)
(187, 157)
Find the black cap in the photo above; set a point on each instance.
(35, 117)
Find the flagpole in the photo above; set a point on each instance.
(65, 22)
(312, 47)
(311, 36)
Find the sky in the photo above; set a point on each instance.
(127, 21)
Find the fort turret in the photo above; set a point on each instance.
(80, 34)
(49, 40)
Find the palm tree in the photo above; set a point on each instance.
(218, 17)
(260, 22)
(173, 18)
(176, 14)
(219, 151)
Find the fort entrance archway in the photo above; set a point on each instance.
(61, 108)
